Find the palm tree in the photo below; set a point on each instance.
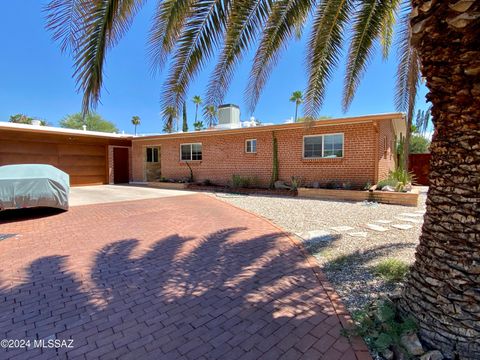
(170, 115)
(135, 122)
(197, 100)
(297, 98)
(441, 291)
(210, 113)
(198, 125)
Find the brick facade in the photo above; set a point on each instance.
(365, 158)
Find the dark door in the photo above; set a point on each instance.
(120, 165)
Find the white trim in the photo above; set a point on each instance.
(250, 152)
(323, 146)
(191, 151)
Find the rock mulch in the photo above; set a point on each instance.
(347, 239)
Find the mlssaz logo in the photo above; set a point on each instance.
(53, 343)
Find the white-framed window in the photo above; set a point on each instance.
(251, 145)
(152, 154)
(190, 152)
(323, 146)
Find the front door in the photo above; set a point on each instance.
(120, 165)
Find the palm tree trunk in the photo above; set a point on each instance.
(135, 126)
(296, 110)
(443, 289)
(196, 112)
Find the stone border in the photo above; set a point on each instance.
(168, 185)
(358, 345)
(385, 197)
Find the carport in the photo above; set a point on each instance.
(89, 157)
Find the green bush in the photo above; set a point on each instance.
(239, 181)
(381, 326)
(392, 270)
(389, 182)
(296, 182)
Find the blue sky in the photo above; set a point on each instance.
(36, 78)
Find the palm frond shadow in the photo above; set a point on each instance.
(181, 288)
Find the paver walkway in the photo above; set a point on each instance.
(173, 278)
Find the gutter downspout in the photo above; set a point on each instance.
(376, 160)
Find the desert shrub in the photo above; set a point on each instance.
(296, 182)
(390, 182)
(207, 182)
(239, 181)
(397, 179)
(381, 325)
(392, 270)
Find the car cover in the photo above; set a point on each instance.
(32, 185)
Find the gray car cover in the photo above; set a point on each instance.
(32, 185)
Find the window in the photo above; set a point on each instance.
(323, 146)
(251, 146)
(152, 155)
(189, 152)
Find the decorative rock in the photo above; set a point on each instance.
(432, 355)
(412, 344)
(316, 236)
(376, 227)
(388, 188)
(387, 354)
(281, 185)
(359, 234)
(402, 226)
(342, 228)
(383, 221)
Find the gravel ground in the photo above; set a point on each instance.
(347, 260)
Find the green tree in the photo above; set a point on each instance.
(419, 144)
(197, 100)
(297, 98)
(135, 122)
(198, 125)
(25, 119)
(93, 121)
(184, 114)
(170, 115)
(442, 36)
(210, 113)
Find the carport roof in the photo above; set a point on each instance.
(62, 131)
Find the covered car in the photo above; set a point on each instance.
(33, 185)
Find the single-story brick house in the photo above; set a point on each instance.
(355, 150)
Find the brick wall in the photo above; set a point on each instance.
(386, 149)
(224, 155)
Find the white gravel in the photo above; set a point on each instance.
(347, 256)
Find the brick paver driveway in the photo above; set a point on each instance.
(173, 278)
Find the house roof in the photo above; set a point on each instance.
(397, 119)
(59, 131)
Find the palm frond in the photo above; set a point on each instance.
(65, 19)
(387, 30)
(168, 22)
(367, 28)
(103, 24)
(408, 70)
(200, 37)
(246, 19)
(282, 24)
(324, 48)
